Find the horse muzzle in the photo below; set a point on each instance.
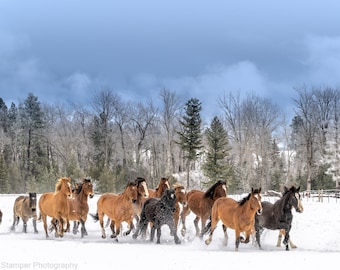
(259, 212)
(91, 196)
(134, 200)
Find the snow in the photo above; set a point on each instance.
(316, 232)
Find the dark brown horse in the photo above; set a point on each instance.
(200, 203)
(119, 208)
(55, 205)
(239, 216)
(25, 208)
(164, 184)
(278, 216)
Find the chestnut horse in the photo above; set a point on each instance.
(200, 203)
(25, 208)
(181, 201)
(79, 207)
(163, 185)
(55, 205)
(119, 208)
(239, 216)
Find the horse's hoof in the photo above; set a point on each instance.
(103, 236)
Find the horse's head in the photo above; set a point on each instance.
(181, 195)
(256, 198)
(65, 186)
(33, 201)
(169, 198)
(142, 187)
(131, 191)
(295, 198)
(87, 188)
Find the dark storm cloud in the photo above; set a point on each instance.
(65, 51)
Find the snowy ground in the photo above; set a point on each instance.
(316, 232)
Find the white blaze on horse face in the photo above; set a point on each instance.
(167, 184)
(300, 207)
(225, 189)
(146, 195)
(183, 190)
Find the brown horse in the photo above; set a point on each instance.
(78, 206)
(25, 208)
(142, 195)
(200, 203)
(163, 185)
(55, 205)
(239, 216)
(181, 201)
(119, 208)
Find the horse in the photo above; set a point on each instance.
(142, 195)
(158, 211)
(56, 205)
(119, 208)
(25, 208)
(163, 184)
(181, 200)
(279, 215)
(78, 206)
(200, 203)
(239, 216)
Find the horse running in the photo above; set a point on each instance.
(55, 205)
(119, 208)
(181, 201)
(158, 211)
(142, 195)
(279, 215)
(239, 216)
(163, 185)
(200, 203)
(25, 208)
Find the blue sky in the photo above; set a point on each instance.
(64, 51)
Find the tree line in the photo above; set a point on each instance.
(251, 143)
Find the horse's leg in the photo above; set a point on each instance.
(196, 220)
(117, 225)
(237, 239)
(82, 229)
(101, 222)
(24, 226)
(75, 226)
(131, 227)
(203, 226)
(44, 219)
(212, 225)
(159, 232)
(34, 221)
(185, 212)
(15, 221)
(152, 233)
(113, 229)
(225, 241)
(173, 230)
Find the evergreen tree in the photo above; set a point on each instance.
(216, 165)
(190, 136)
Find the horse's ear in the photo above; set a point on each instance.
(298, 189)
(260, 190)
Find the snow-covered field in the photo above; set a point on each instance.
(316, 232)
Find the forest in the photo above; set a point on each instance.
(112, 140)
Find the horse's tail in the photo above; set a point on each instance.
(39, 218)
(95, 216)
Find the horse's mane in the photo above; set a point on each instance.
(178, 185)
(286, 190)
(243, 200)
(60, 183)
(131, 183)
(210, 192)
(139, 180)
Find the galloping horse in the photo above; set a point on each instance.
(25, 208)
(181, 200)
(142, 195)
(200, 203)
(279, 215)
(239, 216)
(119, 208)
(163, 185)
(55, 205)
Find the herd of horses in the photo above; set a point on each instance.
(142, 208)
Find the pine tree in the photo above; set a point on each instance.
(190, 136)
(216, 165)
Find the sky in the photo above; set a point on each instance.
(315, 232)
(66, 51)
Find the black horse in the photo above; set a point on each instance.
(279, 215)
(158, 211)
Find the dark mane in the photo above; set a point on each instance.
(286, 190)
(243, 200)
(210, 192)
(139, 180)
